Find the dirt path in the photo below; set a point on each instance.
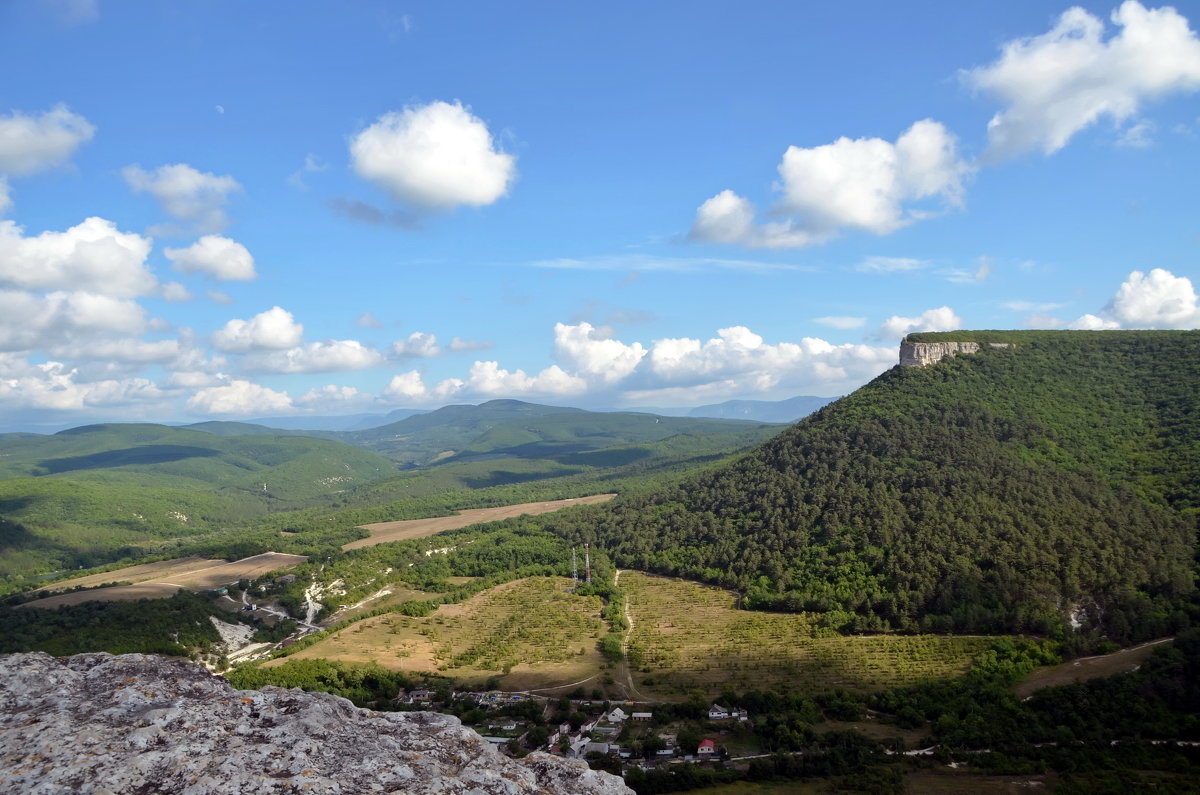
(1085, 668)
(630, 688)
(383, 532)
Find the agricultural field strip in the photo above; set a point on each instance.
(692, 635)
(383, 532)
(153, 584)
(144, 572)
(533, 625)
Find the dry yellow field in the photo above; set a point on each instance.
(1085, 668)
(145, 572)
(383, 532)
(687, 635)
(530, 633)
(163, 579)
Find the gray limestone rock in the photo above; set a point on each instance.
(135, 723)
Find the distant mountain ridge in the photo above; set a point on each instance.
(790, 410)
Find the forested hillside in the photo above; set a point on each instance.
(1014, 489)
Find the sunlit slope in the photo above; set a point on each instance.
(78, 497)
(1007, 490)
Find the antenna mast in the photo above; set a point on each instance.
(574, 572)
(587, 561)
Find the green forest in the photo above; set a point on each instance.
(1009, 490)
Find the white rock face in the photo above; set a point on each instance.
(921, 354)
(104, 725)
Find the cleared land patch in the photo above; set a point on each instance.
(163, 579)
(143, 572)
(687, 635)
(1085, 668)
(530, 633)
(383, 532)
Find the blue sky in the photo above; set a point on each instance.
(227, 209)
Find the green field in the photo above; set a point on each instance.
(687, 635)
(529, 633)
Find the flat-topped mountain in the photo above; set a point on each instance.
(1051, 482)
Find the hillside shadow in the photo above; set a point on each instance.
(502, 477)
(146, 454)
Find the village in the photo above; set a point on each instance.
(610, 736)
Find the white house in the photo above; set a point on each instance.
(617, 715)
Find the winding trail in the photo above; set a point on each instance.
(629, 685)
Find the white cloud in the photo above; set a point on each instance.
(1159, 299)
(867, 183)
(219, 297)
(411, 387)
(940, 319)
(239, 398)
(1064, 80)
(176, 292)
(418, 345)
(890, 264)
(186, 194)
(1137, 136)
(458, 344)
(29, 144)
(729, 218)
(841, 321)
(273, 329)
(593, 353)
(5, 196)
(53, 385)
(333, 398)
(92, 256)
(1093, 323)
(436, 156)
(491, 380)
(317, 357)
(30, 322)
(963, 276)
(219, 257)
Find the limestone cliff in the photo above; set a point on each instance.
(921, 354)
(95, 723)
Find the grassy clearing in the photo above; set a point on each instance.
(383, 532)
(688, 636)
(1085, 668)
(529, 633)
(117, 593)
(145, 572)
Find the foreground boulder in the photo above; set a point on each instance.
(95, 723)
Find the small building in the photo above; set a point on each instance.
(577, 749)
(717, 712)
(617, 715)
(286, 579)
(707, 749)
(596, 748)
(643, 716)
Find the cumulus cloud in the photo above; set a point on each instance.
(329, 356)
(435, 156)
(5, 196)
(593, 353)
(274, 329)
(940, 319)
(33, 143)
(216, 256)
(54, 385)
(491, 380)
(1066, 79)
(333, 398)
(176, 292)
(1159, 300)
(419, 345)
(196, 197)
(867, 184)
(92, 256)
(238, 397)
(30, 322)
(368, 320)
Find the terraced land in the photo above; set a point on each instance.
(687, 635)
(529, 633)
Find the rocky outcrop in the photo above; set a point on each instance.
(921, 354)
(135, 723)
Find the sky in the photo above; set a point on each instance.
(212, 209)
